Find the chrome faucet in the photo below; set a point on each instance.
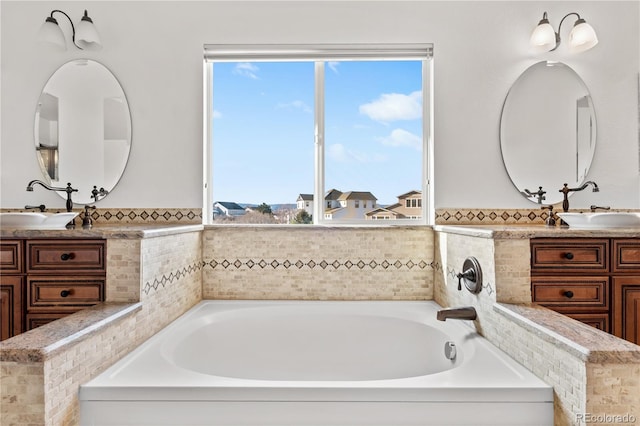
(566, 190)
(464, 313)
(68, 190)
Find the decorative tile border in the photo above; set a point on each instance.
(490, 216)
(176, 275)
(311, 264)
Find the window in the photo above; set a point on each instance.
(340, 124)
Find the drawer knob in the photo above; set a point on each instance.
(568, 294)
(65, 293)
(67, 256)
(568, 255)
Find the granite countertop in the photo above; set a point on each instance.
(583, 341)
(535, 231)
(43, 342)
(122, 231)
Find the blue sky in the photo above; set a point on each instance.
(263, 130)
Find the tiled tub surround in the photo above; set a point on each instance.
(317, 263)
(586, 375)
(154, 277)
(593, 373)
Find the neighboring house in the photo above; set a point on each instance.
(331, 199)
(227, 208)
(351, 205)
(305, 202)
(409, 206)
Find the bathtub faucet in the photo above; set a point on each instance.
(464, 313)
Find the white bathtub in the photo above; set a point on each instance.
(315, 363)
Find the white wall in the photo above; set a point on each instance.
(155, 51)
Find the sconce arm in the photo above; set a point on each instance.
(560, 26)
(73, 29)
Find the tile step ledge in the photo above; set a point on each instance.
(41, 343)
(581, 340)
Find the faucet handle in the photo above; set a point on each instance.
(41, 207)
(594, 208)
(551, 220)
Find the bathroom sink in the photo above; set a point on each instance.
(601, 220)
(30, 220)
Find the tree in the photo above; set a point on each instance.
(303, 217)
(264, 208)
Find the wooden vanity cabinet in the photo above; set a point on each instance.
(596, 281)
(47, 279)
(626, 289)
(11, 288)
(63, 276)
(571, 276)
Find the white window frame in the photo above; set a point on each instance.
(323, 53)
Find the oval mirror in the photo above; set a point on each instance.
(83, 130)
(547, 131)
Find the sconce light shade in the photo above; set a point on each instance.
(86, 37)
(51, 34)
(582, 37)
(545, 39)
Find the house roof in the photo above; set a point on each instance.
(408, 194)
(305, 197)
(357, 195)
(382, 210)
(230, 205)
(332, 194)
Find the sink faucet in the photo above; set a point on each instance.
(464, 313)
(68, 190)
(566, 190)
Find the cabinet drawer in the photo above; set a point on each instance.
(573, 293)
(11, 257)
(61, 256)
(569, 255)
(626, 256)
(62, 293)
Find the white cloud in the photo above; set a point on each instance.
(401, 137)
(217, 114)
(340, 154)
(246, 69)
(296, 105)
(393, 107)
(333, 65)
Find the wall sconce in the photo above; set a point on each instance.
(85, 38)
(581, 38)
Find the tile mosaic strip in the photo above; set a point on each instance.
(152, 215)
(176, 275)
(490, 216)
(312, 264)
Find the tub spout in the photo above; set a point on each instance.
(464, 313)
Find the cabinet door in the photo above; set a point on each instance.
(11, 306)
(626, 308)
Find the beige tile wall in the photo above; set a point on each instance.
(169, 282)
(22, 392)
(579, 387)
(321, 263)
